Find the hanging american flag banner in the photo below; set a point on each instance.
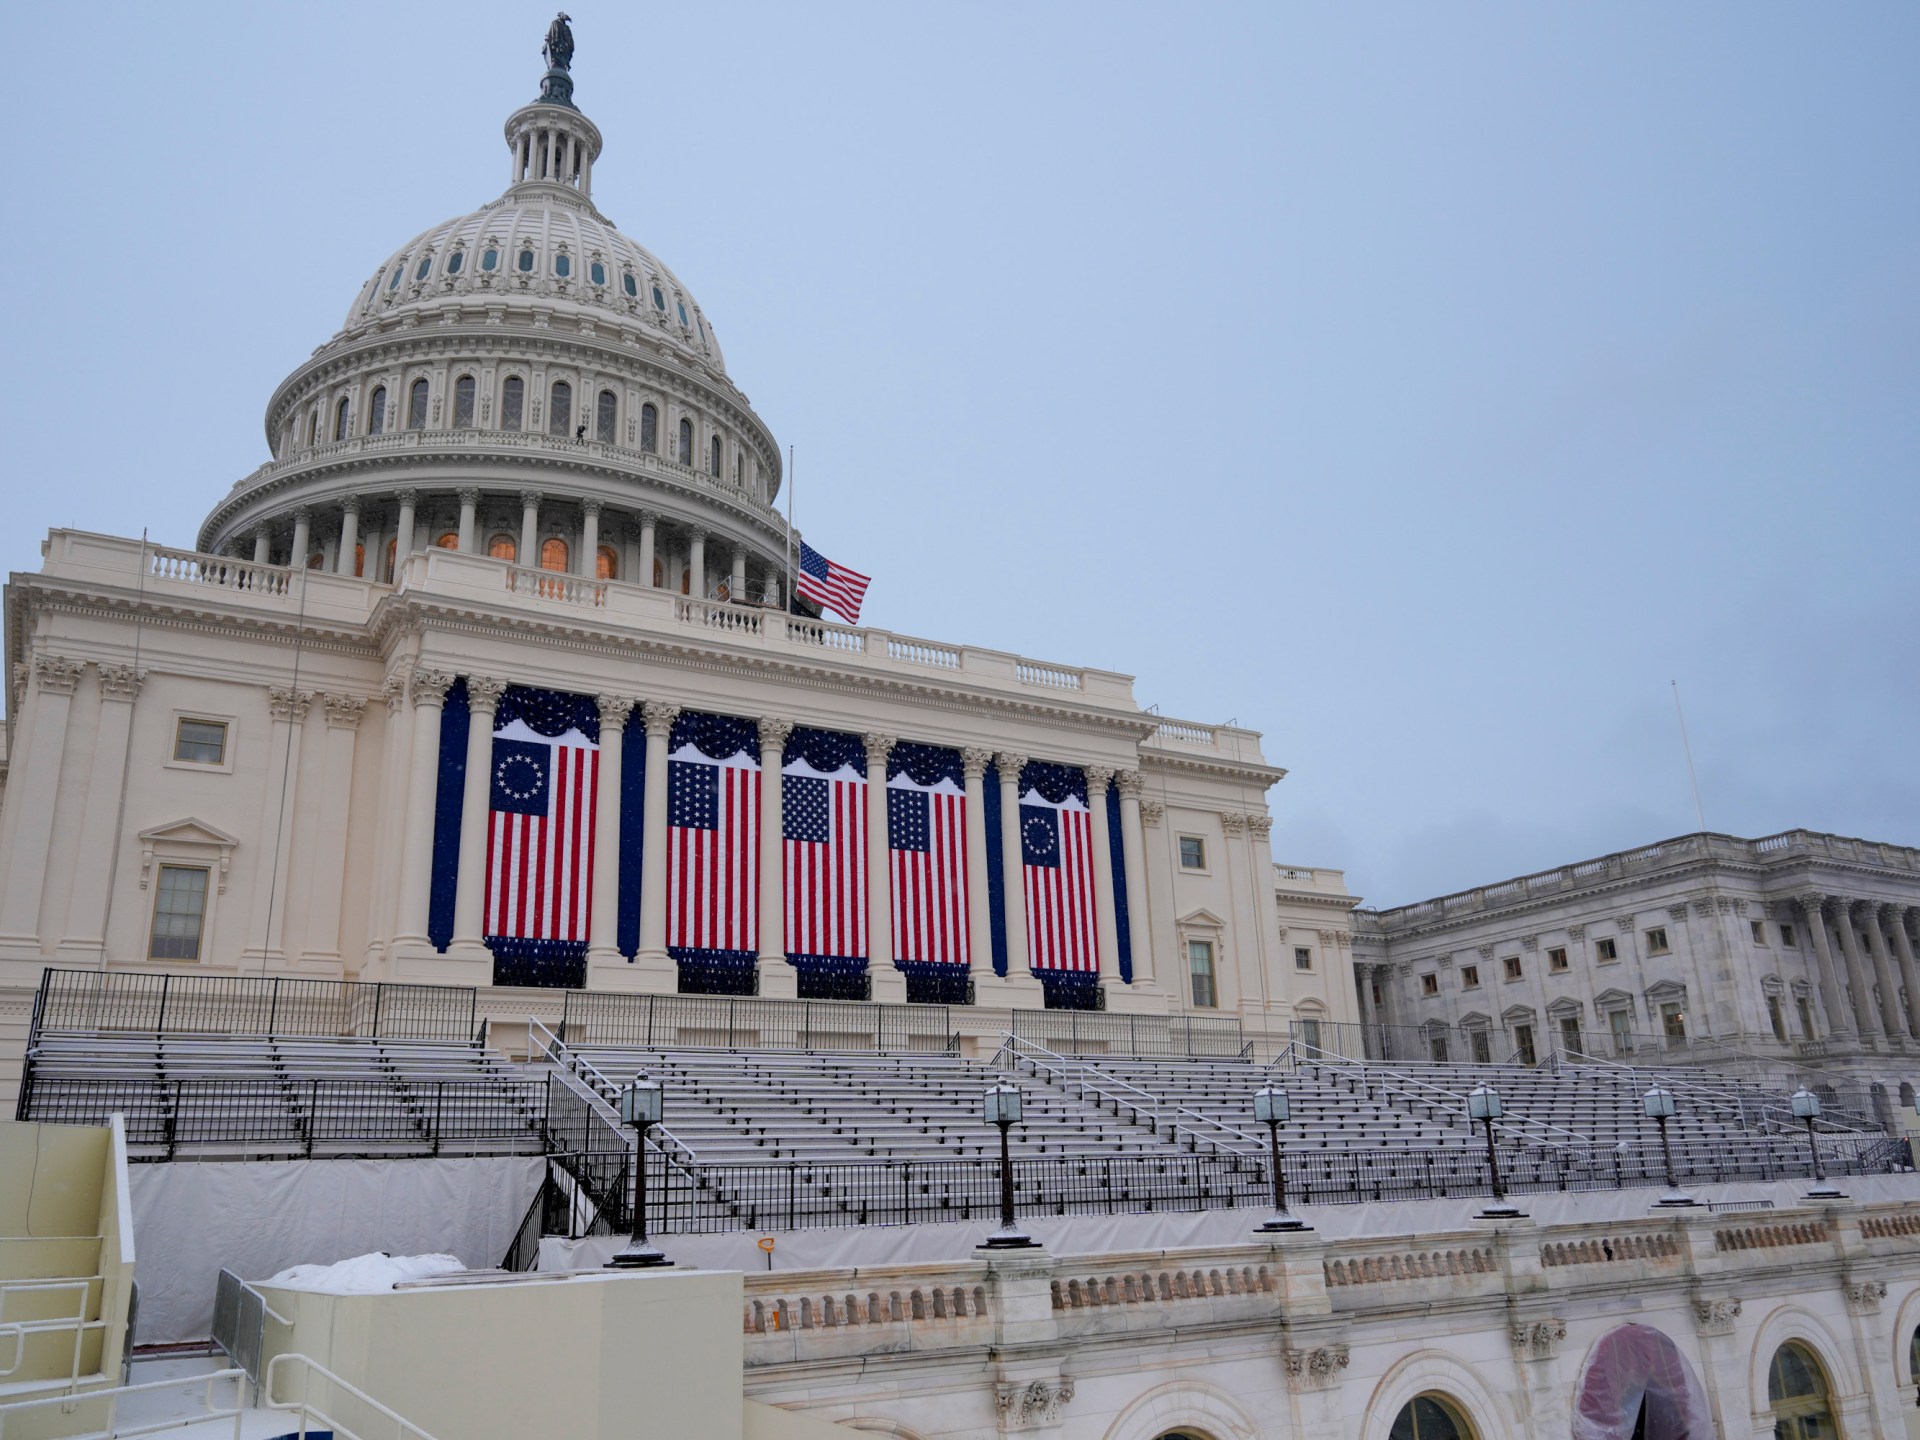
(713, 832)
(1056, 855)
(833, 586)
(824, 825)
(927, 853)
(545, 769)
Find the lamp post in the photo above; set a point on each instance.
(1003, 1108)
(1806, 1106)
(1658, 1103)
(1483, 1104)
(641, 1105)
(1270, 1107)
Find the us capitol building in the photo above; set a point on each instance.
(491, 682)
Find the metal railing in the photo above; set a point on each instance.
(240, 1315)
(731, 1022)
(391, 1421)
(258, 1114)
(108, 1404)
(1105, 1033)
(20, 1330)
(164, 1004)
(1087, 1081)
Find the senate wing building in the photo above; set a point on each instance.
(484, 953)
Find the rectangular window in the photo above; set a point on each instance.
(1657, 940)
(1480, 1047)
(1302, 958)
(1620, 1026)
(179, 909)
(201, 742)
(1193, 853)
(1607, 949)
(1429, 984)
(1437, 1046)
(1786, 935)
(1776, 1019)
(1200, 967)
(1469, 977)
(1673, 1022)
(1570, 1034)
(1804, 1009)
(1310, 1033)
(1557, 959)
(1523, 1043)
(1511, 964)
(1759, 928)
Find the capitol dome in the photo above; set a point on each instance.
(527, 383)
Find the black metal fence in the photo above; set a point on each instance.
(249, 1115)
(732, 1022)
(1095, 1032)
(162, 1004)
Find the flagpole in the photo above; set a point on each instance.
(790, 542)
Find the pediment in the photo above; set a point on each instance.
(190, 832)
(1566, 1005)
(1202, 919)
(1518, 1014)
(1666, 990)
(1475, 1020)
(1608, 1000)
(189, 839)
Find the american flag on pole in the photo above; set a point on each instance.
(824, 828)
(713, 833)
(927, 853)
(540, 834)
(1056, 855)
(833, 586)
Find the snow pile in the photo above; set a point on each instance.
(366, 1274)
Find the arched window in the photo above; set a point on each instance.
(560, 409)
(360, 561)
(713, 457)
(603, 416)
(562, 265)
(417, 405)
(738, 469)
(686, 442)
(649, 428)
(659, 573)
(393, 556)
(1797, 1391)
(1637, 1382)
(377, 411)
(455, 261)
(553, 555)
(503, 547)
(513, 402)
(606, 564)
(463, 403)
(450, 540)
(313, 427)
(316, 560)
(686, 579)
(342, 418)
(1913, 1358)
(1429, 1417)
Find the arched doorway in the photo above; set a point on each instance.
(1797, 1390)
(1430, 1417)
(1638, 1386)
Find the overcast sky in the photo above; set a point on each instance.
(1425, 386)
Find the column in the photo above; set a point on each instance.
(603, 915)
(1106, 938)
(889, 984)
(528, 552)
(41, 743)
(589, 540)
(1865, 1013)
(1839, 1017)
(1363, 985)
(262, 546)
(470, 889)
(326, 839)
(973, 766)
(302, 538)
(278, 800)
(1013, 878)
(653, 957)
(85, 930)
(1229, 979)
(649, 526)
(469, 504)
(1894, 917)
(403, 536)
(697, 565)
(1133, 844)
(737, 584)
(1888, 1012)
(778, 979)
(396, 740)
(349, 535)
(429, 693)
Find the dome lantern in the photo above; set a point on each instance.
(552, 143)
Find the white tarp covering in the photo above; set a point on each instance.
(192, 1220)
(365, 1274)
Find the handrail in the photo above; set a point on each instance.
(1074, 1074)
(77, 1322)
(1516, 1128)
(307, 1410)
(113, 1396)
(598, 1090)
(1639, 1074)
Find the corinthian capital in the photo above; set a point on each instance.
(343, 711)
(974, 762)
(484, 693)
(1011, 763)
(590, 509)
(1233, 822)
(879, 745)
(773, 732)
(1260, 825)
(120, 682)
(469, 494)
(430, 686)
(1812, 904)
(288, 704)
(56, 674)
(614, 710)
(1129, 783)
(658, 717)
(1098, 778)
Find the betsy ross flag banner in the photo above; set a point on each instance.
(1056, 857)
(540, 823)
(824, 829)
(833, 586)
(713, 831)
(927, 853)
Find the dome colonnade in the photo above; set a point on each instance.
(526, 382)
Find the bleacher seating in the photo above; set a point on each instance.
(262, 1096)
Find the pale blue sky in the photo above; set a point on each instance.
(1426, 386)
